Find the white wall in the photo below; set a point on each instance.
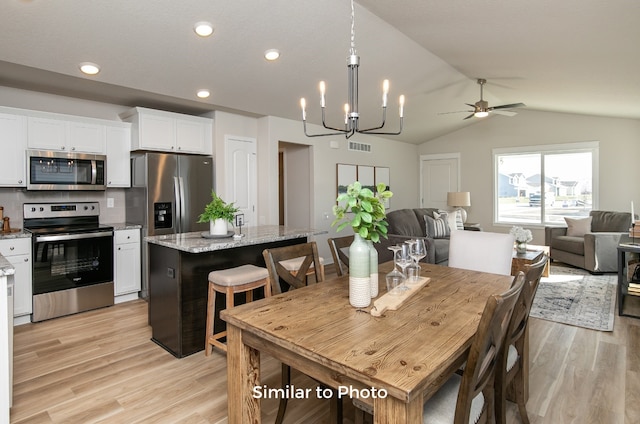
(619, 152)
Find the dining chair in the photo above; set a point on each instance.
(340, 257)
(469, 398)
(294, 279)
(481, 251)
(513, 360)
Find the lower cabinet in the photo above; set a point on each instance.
(127, 264)
(18, 252)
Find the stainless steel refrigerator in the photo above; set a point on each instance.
(167, 195)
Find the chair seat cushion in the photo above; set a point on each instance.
(441, 407)
(512, 357)
(294, 263)
(569, 244)
(239, 275)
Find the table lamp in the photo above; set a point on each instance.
(458, 200)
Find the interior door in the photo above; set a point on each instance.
(439, 175)
(241, 176)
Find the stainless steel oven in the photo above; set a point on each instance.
(47, 170)
(72, 258)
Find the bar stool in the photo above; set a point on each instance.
(244, 278)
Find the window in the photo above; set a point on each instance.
(543, 184)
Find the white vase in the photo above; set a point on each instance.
(373, 269)
(218, 227)
(359, 273)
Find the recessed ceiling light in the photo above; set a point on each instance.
(203, 29)
(203, 94)
(271, 54)
(89, 68)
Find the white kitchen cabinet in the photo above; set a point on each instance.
(118, 145)
(127, 264)
(55, 133)
(169, 132)
(13, 133)
(18, 252)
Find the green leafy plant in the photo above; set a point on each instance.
(218, 209)
(369, 216)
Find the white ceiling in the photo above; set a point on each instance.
(578, 56)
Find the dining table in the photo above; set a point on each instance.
(392, 362)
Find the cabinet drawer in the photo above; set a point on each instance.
(126, 236)
(12, 247)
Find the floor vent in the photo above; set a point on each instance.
(359, 147)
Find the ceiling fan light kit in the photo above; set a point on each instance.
(351, 115)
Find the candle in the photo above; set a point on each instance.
(385, 91)
(401, 100)
(346, 113)
(322, 90)
(303, 104)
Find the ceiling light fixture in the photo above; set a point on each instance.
(351, 114)
(89, 68)
(203, 29)
(203, 94)
(271, 54)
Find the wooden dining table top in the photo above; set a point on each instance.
(407, 352)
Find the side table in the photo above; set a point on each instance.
(521, 260)
(626, 246)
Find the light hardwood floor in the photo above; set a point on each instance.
(101, 367)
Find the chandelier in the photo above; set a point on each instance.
(351, 115)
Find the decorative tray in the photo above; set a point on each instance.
(208, 235)
(392, 301)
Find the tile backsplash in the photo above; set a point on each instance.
(12, 200)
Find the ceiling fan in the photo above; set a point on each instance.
(481, 108)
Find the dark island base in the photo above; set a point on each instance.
(178, 288)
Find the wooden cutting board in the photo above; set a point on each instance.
(392, 301)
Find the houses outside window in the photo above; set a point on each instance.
(541, 185)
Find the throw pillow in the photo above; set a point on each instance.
(578, 227)
(454, 218)
(436, 228)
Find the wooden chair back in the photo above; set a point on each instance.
(516, 338)
(295, 279)
(479, 372)
(340, 258)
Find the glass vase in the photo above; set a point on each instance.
(359, 273)
(521, 246)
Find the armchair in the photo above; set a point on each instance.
(593, 247)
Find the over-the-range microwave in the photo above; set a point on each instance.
(49, 170)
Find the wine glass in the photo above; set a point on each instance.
(403, 260)
(395, 279)
(418, 251)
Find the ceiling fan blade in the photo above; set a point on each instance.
(468, 104)
(504, 112)
(470, 116)
(510, 106)
(457, 111)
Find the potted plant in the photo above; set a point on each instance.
(218, 213)
(368, 221)
(522, 236)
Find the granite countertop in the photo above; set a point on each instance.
(15, 235)
(196, 243)
(5, 267)
(123, 226)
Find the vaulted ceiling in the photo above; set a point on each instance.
(576, 56)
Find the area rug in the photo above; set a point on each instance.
(575, 297)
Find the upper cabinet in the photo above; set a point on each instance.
(13, 133)
(70, 135)
(118, 141)
(169, 132)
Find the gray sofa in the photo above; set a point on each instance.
(406, 224)
(596, 251)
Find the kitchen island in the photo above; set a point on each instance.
(179, 265)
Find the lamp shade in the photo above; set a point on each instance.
(458, 198)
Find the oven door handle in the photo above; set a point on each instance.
(64, 237)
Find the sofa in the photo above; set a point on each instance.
(589, 243)
(407, 224)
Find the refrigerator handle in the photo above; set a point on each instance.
(183, 207)
(178, 204)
